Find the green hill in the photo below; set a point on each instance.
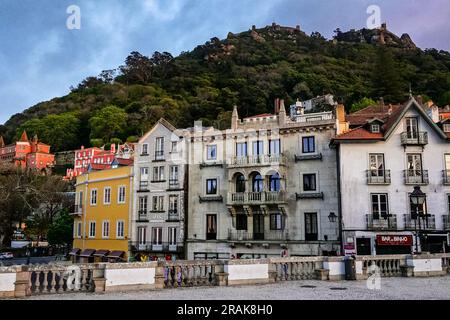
(249, 69)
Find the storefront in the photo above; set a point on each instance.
(435, 242)
(393, 244)
(365, 243)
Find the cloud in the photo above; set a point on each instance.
(166, 10)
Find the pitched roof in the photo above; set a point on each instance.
(380, 112)
(24, 137)
(359, 133)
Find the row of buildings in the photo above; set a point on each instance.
(310, 183)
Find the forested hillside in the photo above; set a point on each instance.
(249, 69)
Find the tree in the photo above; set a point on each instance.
(361, 104)
(137, 69)
(444, 100)
(60, 231)
(386, 77)
(108, 123)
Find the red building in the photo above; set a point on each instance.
(28, 154)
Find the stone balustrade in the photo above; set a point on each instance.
(22, 281)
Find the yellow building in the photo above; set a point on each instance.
(102, 214)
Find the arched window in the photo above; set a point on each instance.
(258, 183)
(240, 183)
(275, 182)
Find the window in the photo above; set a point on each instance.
(143, 205)
(211, 227)
(258, 148)
(120, 233)
(157, 236)
(211, 152)
(258, 183)
(276, 222)
(142, 235)
(414, 163)
(80, 200)
(211, 186)
(376, 164)
(241, 149)
(79, 229)
(241, 222)
(412, 128)
(173, 204)
(380, 206)
(309, 182)
(107, 195)
(375, 128)
(158, 203)
(122, 194)
(92, 229)
(94, 197)
(308, 145)
(144, 174)
(145, 149)
(275, 182)
(448, 203)
(105, 229)
(240, 183)
(158, 174)
(172, 236)
(174, 147)
(446, 127)
(275, 147)
(311, 226)
(159, 150)
(447, 164)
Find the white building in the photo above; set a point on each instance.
(159, 208)
(266, 185)
(379, 164)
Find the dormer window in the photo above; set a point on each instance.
(375, 128)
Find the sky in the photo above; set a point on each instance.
(40, 57)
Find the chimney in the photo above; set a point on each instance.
(277, 105)
(234, 118)
(340, 112)
(282, 113)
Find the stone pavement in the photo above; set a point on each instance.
(391, 288)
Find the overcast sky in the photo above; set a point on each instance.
(40, 58)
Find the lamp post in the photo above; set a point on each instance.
(417, 199)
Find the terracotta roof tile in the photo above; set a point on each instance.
(359, 134)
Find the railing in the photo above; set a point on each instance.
(159, 155)
(446, 262)
(378, 177)
(389, 266)
(191, 273)
(446, 177)
(60, 278)
(143, 186)
(174, 184)
(173, 216)
(427, 222)
(298, 268)
(142, 216)
(446, 222)
(257, 197)
(381, 223)
(416, 177)
(414, 138)
(157, 247)
(259, 160)
(243, 235)
(76, 210)
(319, 116)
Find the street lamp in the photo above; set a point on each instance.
(332, 217)
(417, 199)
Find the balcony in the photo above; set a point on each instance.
(414, 138)
(257, 198)
(446, 177)
(309, 195)
(378, 177)
(142, 216)
(165, 247)
(381, 223)
(245, 236)
(210, 198)
(416, 177)
(257, 161)
(427, 222)
(307, 157)
(143, 186)
(173, 216)
(446, 222)
(76, 210)
(174, 184)
(159, 156)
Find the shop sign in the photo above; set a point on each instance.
(394, 240)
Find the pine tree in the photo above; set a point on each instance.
(386, 77)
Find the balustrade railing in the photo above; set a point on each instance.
(301, 268)
(258, 160)
(190, 273)
(388, 266)
(257, 197)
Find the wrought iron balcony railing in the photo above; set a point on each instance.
(174, 184)
(421, 222)
(377, 177)
(416, 177)
(446, 177)
(142, 216)
(143, 186)
(159, 155)
(173, 216)
(378, 222)
(414, 138)
(446, 222)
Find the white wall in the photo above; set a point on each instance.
(7, 281)
(247, 271)
(117, 277)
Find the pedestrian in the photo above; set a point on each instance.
(284, 254)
